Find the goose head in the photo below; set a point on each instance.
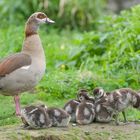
(34, 21)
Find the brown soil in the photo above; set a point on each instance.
(95, 131)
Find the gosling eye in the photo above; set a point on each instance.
(81, 98)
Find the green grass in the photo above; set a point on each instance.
(51, 98)
(60, 82)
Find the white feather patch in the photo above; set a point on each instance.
(42, 119)
(76, 102)
(68, 108)
(98, 108)
(33, 110)
(25, 67)
(86, 111)
(41, 20)
(57, 113)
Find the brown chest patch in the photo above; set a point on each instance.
(29, 33)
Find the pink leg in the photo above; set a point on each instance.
(16, 99)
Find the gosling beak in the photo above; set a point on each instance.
(49, 20)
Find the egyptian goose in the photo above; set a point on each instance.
(120, 99)
(83, 96)
(102, 114)
(35, 117)
(85, 112)
(100, 98)
(22, 71)
(71, 106)
(58, 116)
(43, 117)
(99, 93)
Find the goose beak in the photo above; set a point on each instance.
(49, 20)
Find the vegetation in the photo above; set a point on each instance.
(78, 14)
(107, 56)
(113, 52)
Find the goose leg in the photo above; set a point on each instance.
(16, 99)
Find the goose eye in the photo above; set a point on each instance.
(41, 16)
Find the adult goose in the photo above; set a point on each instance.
(22, 71)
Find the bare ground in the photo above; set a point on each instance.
(95, 131)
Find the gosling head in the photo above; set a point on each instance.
(99, 93)
(82, 95)
(34, 21)
(136, 101)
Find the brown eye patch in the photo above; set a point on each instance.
(41, 16)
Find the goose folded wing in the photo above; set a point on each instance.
(13, 63)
